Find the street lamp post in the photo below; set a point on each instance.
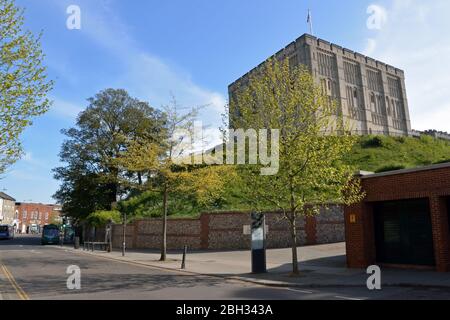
(124, 231)
(124, 225)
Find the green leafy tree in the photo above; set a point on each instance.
(313, 141)
(91, 180)
(167, 178)
(23, 81)
(102, 217)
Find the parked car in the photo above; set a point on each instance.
(6, 232)
(34, 229)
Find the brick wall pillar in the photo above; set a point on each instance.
(204, 231)
(441, 237)
(311, 230)
(369, 239)
(359, 235)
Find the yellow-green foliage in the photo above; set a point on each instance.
(101, 218)
(23, 81)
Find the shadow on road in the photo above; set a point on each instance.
(21, 240)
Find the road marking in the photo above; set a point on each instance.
(20, 292)
(348, 298)
(301, 291)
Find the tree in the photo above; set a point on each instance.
(56, 220)
(101, 218)
(167, 177)
(91, 180)
(313, 141)
(23, 81)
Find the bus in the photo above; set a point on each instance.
(6, 232)
(50, 234)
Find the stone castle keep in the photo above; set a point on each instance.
(370, 93)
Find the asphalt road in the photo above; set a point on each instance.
(31, 271)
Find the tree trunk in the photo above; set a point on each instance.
(293, 222)
(293, 226)
(164, 227)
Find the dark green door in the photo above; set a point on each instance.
(403, 232)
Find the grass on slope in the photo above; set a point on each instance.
(380, 153)
(371, 153)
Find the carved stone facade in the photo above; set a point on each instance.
(371, 94)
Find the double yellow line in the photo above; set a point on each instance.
(22, 294)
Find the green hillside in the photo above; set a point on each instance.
(380, 153)
(371, 153)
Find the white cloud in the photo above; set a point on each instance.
(152, 79)
(414, 39)
(25, 176)
(65, 108)
(28, 157)
(33, 162)
(148, 77)
(370, 47)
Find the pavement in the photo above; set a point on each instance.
(320, 266)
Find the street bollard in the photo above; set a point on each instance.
(76, 243)
(183, 262)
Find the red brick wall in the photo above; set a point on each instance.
(433, 184)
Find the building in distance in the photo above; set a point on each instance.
(34, 216)
(7, 212)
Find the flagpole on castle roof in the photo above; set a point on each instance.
(309, 21)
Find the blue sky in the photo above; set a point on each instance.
(194, 49)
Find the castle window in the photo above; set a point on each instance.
(323, 83)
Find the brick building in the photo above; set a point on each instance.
(371, 94)
(39, 214)
(404, 220)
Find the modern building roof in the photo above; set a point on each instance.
(6, 197)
